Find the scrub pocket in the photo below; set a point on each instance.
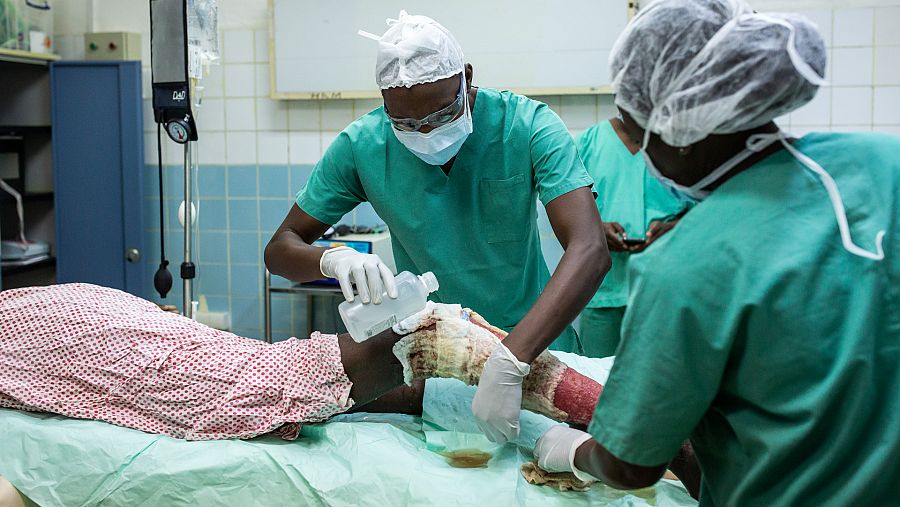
(505, 209)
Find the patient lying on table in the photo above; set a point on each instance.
(92, 352)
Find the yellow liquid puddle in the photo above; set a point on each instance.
(467, 458)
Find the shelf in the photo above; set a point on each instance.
(37, 196)
(19, 56)
(19, 266)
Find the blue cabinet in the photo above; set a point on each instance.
(98, 158)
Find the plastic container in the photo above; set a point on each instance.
(364, 321)
(26, 25)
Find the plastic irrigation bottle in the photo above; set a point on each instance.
(364, 321)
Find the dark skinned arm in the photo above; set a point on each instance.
(290, 253)
(576, 223)
(594, 459)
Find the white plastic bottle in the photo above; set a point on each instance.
(364, 321)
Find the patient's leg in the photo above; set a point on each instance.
(377, 376)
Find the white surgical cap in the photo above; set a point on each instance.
(415, 50)
(685, 69)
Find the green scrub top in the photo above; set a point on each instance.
(475, 228)
(626, 194)
(756, 334)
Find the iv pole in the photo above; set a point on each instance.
(188, 271)
(172, 108)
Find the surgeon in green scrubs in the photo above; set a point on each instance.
(455, 172)
(636, 209)
(766, 329)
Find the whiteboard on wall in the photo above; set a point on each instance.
(534, 47)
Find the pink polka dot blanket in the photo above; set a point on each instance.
(92, 352)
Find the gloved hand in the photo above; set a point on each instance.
(555, 450)
(367, 271)
(498, 399)
(431, 314)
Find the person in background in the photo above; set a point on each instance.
(636, 209)
(455, 172)
(767, 328)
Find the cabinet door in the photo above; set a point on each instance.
(98, 157)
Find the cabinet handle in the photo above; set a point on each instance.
(132, 255)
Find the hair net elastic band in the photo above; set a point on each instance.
(803, 68)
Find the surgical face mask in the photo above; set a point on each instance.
(696, 193)
(443, 143)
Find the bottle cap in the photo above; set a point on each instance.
(430, 281)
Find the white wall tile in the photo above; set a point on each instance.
(365, 106)
(211, 148)
(823, 20)
(150, 155)
(240, 114)
(239, 80)
(851, 128)
(304, 115)
(336, 114)
(887, 21)
(853, 27)
(606, 107)
(550, 100)
(69, 47)
(271, 114)
(211, 115)
(273, 147)
(145, 48)
(305, 147)
(146, 83)
(887, 129)
(784, 121)
(149, 122)
(261, 45)
(213, 82)
(238, 46)
(887, 105)
(887, 65)
(578, 111)
(328, 137)
(261, 72)
(851, 67)
(241, 147)
(851, 106)
(817, 112)
(802, 131)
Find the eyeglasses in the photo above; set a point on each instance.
(436, 119)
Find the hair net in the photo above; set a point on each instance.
(415, 50)
(686, 69)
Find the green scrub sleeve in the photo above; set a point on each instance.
(557, 167)
(334, 188)
(670, 362)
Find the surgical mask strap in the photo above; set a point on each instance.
(839, 212)
(755, 144)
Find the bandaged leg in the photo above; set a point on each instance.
(447, 346)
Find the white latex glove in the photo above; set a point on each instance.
(498, 399)
(371, 276)
(432, 312)
(555, 450)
